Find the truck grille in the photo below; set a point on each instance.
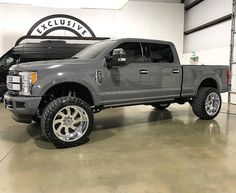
(13, 83)
(13, 73)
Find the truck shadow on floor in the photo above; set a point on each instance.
(35, 132)
(118, 121)
(114, 120)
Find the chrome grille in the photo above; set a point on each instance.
(13, 83)
(13, 73)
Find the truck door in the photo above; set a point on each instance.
(164, 73)
(121, 84)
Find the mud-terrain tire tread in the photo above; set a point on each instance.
(48, 116)
(198, 105)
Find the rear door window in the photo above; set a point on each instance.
(160, 53)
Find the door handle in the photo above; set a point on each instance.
(143, 71)
(175, 71)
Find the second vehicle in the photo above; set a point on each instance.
(36, 51)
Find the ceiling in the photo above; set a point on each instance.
(166, 1)
(91, 4)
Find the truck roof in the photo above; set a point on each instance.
(144, 40)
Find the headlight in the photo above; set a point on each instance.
(28, 79)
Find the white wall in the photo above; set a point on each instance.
(213, 37)
(1, 29)
(211, 45)
(207, 11)
(209, 38)
(215, 56)
(135, 19)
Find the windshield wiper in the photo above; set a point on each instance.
(75, 57)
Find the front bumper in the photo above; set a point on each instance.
(3, 89)
(23, 108)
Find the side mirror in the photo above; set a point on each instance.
(118, 57)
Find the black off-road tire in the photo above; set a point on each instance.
(51, 110)
(198, 105)
(162, 106)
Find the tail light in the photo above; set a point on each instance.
(228, 75)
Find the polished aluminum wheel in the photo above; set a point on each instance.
(212, 104)
(70, 123)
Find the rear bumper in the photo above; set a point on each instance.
(22, 108)
(226, 89)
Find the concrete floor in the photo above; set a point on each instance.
(132, 150)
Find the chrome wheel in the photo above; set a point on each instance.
(212, 104)
(70, 123)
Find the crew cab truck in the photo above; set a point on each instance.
(64, 94)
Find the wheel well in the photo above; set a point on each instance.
(66, 89)
(209, 82)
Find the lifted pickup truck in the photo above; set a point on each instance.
(64, 94)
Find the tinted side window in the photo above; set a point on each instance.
(9, 60)
(3, 62)
(133, 51)
(146, 52)
(161, 53)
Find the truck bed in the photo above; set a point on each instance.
(195, 74)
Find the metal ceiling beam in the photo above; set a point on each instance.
(193, 4)
(209, 24)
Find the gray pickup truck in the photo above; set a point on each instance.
(63, 94)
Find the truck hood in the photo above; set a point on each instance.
(50, 64)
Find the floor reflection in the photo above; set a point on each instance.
(158, 121)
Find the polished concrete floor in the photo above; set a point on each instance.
(132, 150)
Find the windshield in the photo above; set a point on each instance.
(93, 50)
